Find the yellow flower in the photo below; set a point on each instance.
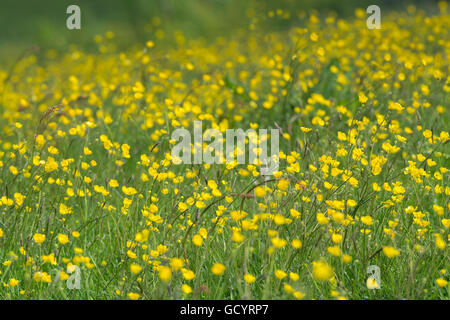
(40, 140)
(42, 277)
(135, 268)
(113, 183)
(322, 271)
(390, 252)
(13, 170)
(237, 236)
(39, 238)
(13, 282)
(288, 288)
(283, 184)
(279, 219)
(362, 97)
(200, 204)
(280, 274)
(237, 215)
(129, 191)
(176, 264)
(441, 282)
(445, 223)
(294, 276)
(346, 258)
(336, 237)
(182, 206)
(63, 209)
(133, 295)
(63, 239)
(297, 244)
(304, 129)
(203, 232)
(187, 274)
(218, 269)
(367, 220)
(440, 243)
(165, 273)
(186, 289)
(131, 254)
(321, 219)
(376, 187)
(334, 250)
(87, 151)
(197, 240)
(125, 150)
(249, 278)
(299, 295)
(278, 242)
(49, 258)
(63, 276)
(372, 283)
(294, 213)
(351, 203)
(260, 191)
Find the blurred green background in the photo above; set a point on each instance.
(43, 22)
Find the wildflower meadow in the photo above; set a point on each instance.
(96, 202)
